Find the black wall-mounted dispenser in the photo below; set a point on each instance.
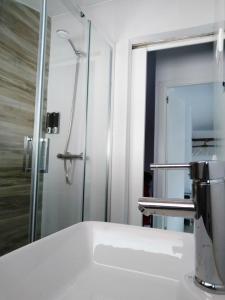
(52, 122)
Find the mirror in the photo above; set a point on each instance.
(184, 94)
(190, 137)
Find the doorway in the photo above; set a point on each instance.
(163, 69)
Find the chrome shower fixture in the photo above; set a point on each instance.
(64, 34)
(67, 156)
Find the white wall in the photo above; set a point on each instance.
(137, 135)
(127, 21)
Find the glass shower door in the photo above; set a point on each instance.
(97, 167)
(19, 37)
(61, 187)
(75, 188)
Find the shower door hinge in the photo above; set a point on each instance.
(167, 99)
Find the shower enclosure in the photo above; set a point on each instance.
(55, 78)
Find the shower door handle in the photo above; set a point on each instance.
(27, 154)
(44, 155)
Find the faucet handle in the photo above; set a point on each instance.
(207, 170)
(170, 166)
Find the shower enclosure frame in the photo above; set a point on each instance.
(39, 100)
(38, 120)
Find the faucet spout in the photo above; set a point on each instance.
(208, 210)
(166, 207)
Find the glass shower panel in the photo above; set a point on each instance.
(19, 37)
(96, 201)
(61, 193)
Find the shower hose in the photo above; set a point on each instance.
(69, 163)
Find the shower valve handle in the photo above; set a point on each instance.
(69, 156)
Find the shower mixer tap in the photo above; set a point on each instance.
(69, 156)
(207, 207)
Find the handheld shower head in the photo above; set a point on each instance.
(64, 34)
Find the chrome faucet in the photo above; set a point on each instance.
(207, 207)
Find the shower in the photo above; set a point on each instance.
(67, 156)
(53, 69)
(64, 34)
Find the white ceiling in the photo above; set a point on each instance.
(56, 7)
(131, 19)
(92, 2)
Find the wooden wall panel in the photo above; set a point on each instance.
(19, 34)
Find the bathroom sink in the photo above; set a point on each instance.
(103, 261)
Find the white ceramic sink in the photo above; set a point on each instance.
(103, 261)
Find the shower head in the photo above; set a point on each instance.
(64, 34)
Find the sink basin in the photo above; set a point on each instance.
(103, 261)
